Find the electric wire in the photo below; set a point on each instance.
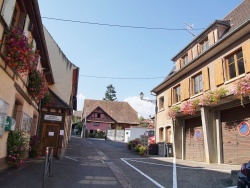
(117, 25)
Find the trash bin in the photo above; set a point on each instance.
(153, 149)
(169, 150)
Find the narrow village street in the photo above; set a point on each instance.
(99, 163)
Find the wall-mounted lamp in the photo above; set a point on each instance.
(142, 98)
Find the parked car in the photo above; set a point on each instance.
(244, 176)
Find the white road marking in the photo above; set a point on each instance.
(149, 178)
(174, 174)
(186, 167)
(70, 158)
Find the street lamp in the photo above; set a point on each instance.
(85, 122)
(141, 97)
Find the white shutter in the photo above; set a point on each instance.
(7, 11)
(26, 26)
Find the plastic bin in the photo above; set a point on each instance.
(169, 150)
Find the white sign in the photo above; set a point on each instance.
(53, 118)
(61, 132)
(51, 134)
(3, 115)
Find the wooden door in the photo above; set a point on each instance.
(194, 146)
(235, 145)
(50, 137)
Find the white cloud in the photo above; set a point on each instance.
(80, 99)
(143, 108)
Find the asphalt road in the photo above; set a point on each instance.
(96, 163)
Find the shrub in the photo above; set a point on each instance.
(130, 145)
(17, 147)
(35, 147)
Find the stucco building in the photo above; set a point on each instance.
(206, 121)
(16, 100)
(103, 115)
(18, 97)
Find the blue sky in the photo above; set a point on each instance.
(122, 52)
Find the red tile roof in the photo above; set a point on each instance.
(121, 112)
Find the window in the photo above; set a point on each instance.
(183, 61)
(161, 103)
(177, 94)
(16, 15)
(204, 45)
(235, 65)
(197, 84)
(96, 124)
(98, 115)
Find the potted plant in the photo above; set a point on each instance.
(20, 54)
(17, 147)
(35, 147)
(213, 97)
(189, 107)
(173, 112)
(38, 86)
(241, 89)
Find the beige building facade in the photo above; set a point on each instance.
(15, 99)
(198, 109)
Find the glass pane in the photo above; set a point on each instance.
(232, 72)
(201, 85)
(241, 67)
(230, 60)
(239, 55)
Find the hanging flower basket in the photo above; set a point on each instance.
(20, 55)
(48, 100)
(241, 89)
(173, 111)
(213, 97)
(189, 107)
(38, 86)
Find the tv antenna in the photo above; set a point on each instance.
(189, 27)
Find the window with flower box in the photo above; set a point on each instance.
(197, 84)
(18, 17)
(235, 65)
(177, 94)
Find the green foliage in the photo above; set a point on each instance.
(17, 147)
(136, 146)
(110, 94)
(35, 147)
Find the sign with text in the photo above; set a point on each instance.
(53, 118)
(3, 115)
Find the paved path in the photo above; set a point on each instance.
(82, 166)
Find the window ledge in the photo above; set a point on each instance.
(176, 103)
(233, 79)
(194, 96)
(161, 110)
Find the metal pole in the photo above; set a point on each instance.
(85, 121)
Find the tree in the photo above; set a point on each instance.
(110, 94)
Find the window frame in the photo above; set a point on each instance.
(161, 103)
(197, 77)
(177, 94)
(235, 62)
(204, 45)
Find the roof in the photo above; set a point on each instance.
(121, 112)
(237, 18)
(35, 17)
(239, 15)
(57, 102)
(77, 113)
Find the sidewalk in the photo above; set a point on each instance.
(81, 166)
